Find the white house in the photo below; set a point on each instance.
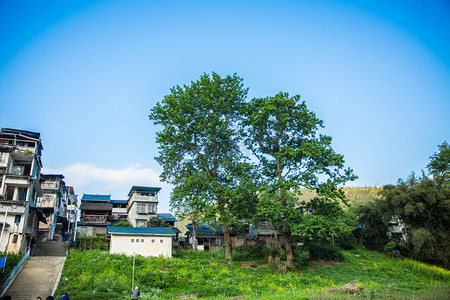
(143, 241)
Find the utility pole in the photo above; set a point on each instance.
(132, 281)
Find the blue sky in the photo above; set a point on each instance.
(85, 74)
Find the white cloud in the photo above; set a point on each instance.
(86, 178)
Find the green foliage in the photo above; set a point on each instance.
(91, 243)
(156, 222)
(199, 149)
(374, 217)
(123, 224)
(12, 260)
(283, 134)
(258, 253)
(207, 274)
(439, 165)
(329, 222)
(390, 246)
(423, 205)
(322, 251)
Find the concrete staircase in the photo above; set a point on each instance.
(41, 273)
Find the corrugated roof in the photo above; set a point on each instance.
(168, 217)
(135, 188)
(96, 197)
(203, 230)
(117, 201)
(135, 230)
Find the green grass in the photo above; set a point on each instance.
(96, 274)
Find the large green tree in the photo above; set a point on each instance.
(199, 147)
(283, 135)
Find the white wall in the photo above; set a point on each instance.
(148, 245)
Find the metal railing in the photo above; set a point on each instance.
(12, 275)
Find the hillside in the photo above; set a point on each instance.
(354, 194)
(96, 274)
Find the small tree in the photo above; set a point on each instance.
(156, 222)
(123, 224)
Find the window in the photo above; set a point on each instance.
(15, 237)
(132, 240)
(2, 157)
(152, 208)
(142, 240)
(141, 223)
(153, 241)
(17, 219)
(161, 241)
(140, 208)
(137, 240)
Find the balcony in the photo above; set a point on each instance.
(146, 198)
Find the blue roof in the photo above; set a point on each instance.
(204, 229)
(135, 188)
(168, 217)
(96, 197)
(135, 230)
(117, 201)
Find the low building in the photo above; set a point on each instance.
(141, 241)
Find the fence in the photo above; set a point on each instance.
(14, 272)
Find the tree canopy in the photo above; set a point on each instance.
(199, 147)
(283, 134)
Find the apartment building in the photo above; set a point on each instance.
(142, 204)
(53, 203)
(20, 170)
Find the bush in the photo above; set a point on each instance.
(259, 252)
(348, 242)
(301, 256)
(318, 251)
(91, 243)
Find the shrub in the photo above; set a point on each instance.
(322, 251)
(91, 243)
(301, 257)
(259, 252)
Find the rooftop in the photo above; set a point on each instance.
(168, 217)
(95, 197)
(96, 206)
(146, 231)
(135, 188)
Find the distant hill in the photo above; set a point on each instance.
(354, 194)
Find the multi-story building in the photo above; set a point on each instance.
(142, 204)
(72, 209)
(20, 169)
(96, 213)
(53, 203)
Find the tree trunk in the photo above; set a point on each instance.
(226, 237)
(289, 253)
(194, 235)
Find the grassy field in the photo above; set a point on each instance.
(96, 274)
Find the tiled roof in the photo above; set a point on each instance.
(96, 206)
(135, 188)
(134, 230)
(168, 217)
(96, 197)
